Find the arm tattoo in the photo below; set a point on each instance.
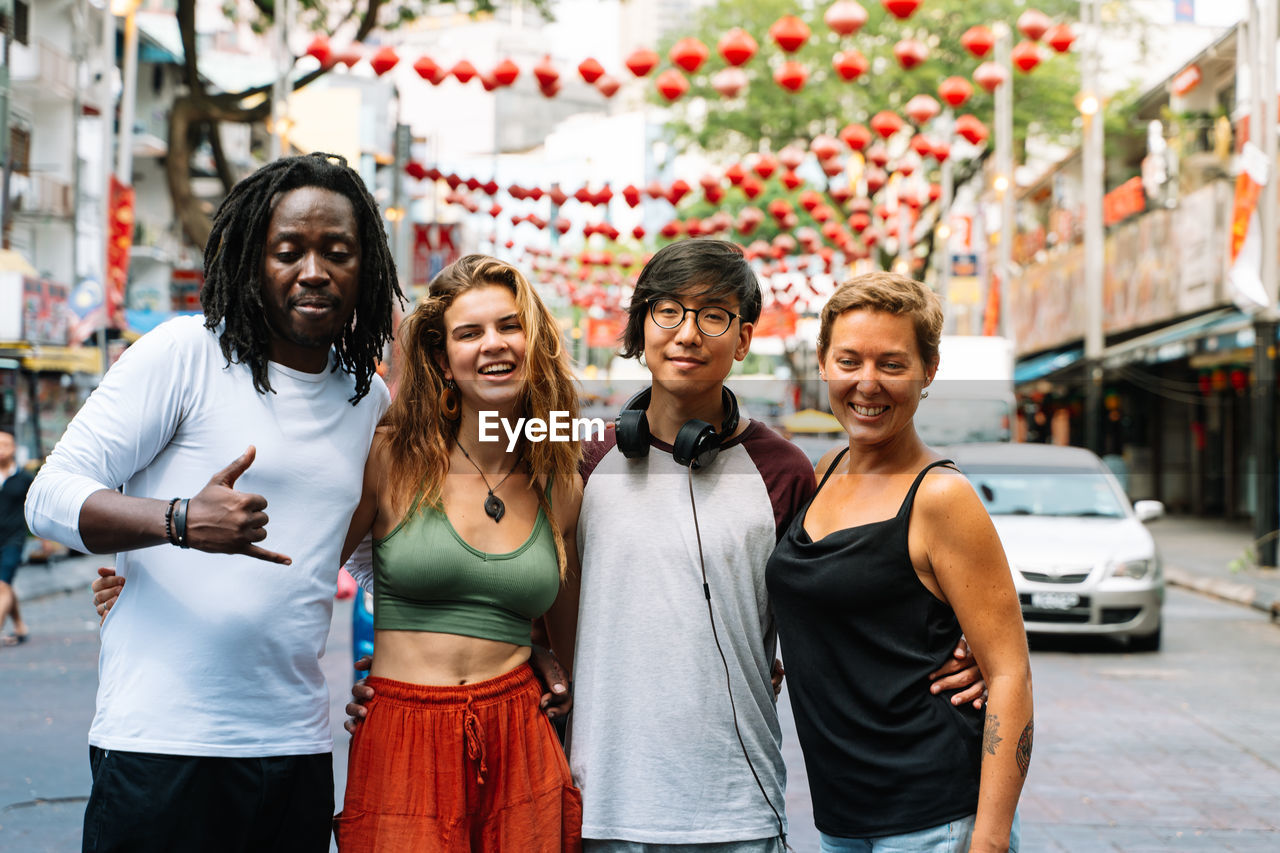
(1024, 748)
(990, 736)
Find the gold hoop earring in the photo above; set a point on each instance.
(450, 405)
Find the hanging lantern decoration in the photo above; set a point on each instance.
(487, 81)
(384, 60)
(679, 189)
(901, 9)
(1060, 37)
(463, 71)
(504, 73)
(791, 180)
(910, 53)
(546, 72)
(876, 179)
(935, 192)
(427, 69)
(1033, 24)
(990, 75)
(971, 129)
(489, 187)
(415, 170)
(729, 82)
(809, 200)
(558, 196)
(845, 17)
(550, 90)
(350, 55)
(791, 156)
(590, 70)
(850, 64)
(766, 164)
(671, 84)
(749, 219)
(608, 85)
(320, 50)
(941, 151)
(921, 145)
(641, 61)
(734, 174)
(672, 229)
(638, 232)
(905, 167)
(978, 40)
(878, 155)
(922, 108)
(689, 54)
(855, 136)
(603, 196)
(886, 123)
(752, 187)
(495, 210)
(631, 195)
(737, 46)
(825, 147)
(955, 90)
(789, 32)
(1026, 55)
(840, 193)
(833, 167)
(791, 76)
(779, 208)
(859, 222)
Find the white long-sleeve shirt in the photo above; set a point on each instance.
(213, 654)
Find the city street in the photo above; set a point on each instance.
(1175, 751)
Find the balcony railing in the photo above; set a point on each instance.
(44, 71)
(41, 195)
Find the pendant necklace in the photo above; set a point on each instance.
(493, 505)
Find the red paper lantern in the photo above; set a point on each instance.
(672, 229)
(809, 200)
(941, 151)
(384, 60)
(737, 46)
(834, 166)
(922, 108)
(978, 40)
(990, 75)
(878, 154)
(1060, 37)
(901, 9)
(1026, 55)
(557, 196)
(910, 53)
(972, 129)
(427, 68)
(791, 76)
(641, 61)
(850, 64)
(752, 187)
(789, 32)
(791, 180)
(876, 179)
(714, 195)
(415, 170)
(935, 192)
(886, 123)
(729, 82)
(603, 196)
(495, 210)
(679, 189)
(859, 222)
(779, 208)
(955, 90)
(841, 193)
(608, 86)
(855, 136)
(765, 166)
(487, 81)
(824, 147)
(689, 54)
(1033, 23)
(638, 232)
(735, 174)
(505, 72)
(921, 145)
(551, 90)
(320, 49)
(845, 17)
(546, 72)
(350, 55)
(463, 71)
(671, 84)
(489, 187)
(590, 69)
(906, 167)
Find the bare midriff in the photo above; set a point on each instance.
(427, 657)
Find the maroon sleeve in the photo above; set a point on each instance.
(595, 450)
(785, 469)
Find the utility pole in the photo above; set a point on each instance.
(1262, 126)
(1094, 168)
(6, 10)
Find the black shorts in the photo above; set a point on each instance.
(144, 802)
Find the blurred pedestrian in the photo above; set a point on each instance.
(212, 724)
(14, 483)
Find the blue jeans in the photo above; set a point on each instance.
(950, 837)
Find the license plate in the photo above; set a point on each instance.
(1054, 600)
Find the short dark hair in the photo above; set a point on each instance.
(708, 268)
(232, 291)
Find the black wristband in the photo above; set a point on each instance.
(168, 522)
(180, 523)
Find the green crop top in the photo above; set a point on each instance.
(426, 578)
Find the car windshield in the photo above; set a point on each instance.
(1046, 492)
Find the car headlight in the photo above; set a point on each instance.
(1135, 569)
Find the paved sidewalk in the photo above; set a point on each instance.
(1216, 557)
(66, 575)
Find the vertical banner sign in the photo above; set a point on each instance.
(119, 240)
(1244, 278)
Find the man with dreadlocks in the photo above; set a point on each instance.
(212, 723)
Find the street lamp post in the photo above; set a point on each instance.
(1090, 105)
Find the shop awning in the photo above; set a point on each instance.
(1041, 366)
(1175, 341)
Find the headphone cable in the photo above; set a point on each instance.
(728, 682)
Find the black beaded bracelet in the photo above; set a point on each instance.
(168, 522)
(180, 523)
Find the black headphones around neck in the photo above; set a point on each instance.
(697, 442)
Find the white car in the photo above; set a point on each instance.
(1083, 563)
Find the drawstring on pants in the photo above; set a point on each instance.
(473, 734)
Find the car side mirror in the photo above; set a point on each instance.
(1148, 510)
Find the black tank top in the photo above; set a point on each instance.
(860, 635)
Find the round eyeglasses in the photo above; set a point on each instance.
(711, 320)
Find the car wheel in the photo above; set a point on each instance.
(1147, 642)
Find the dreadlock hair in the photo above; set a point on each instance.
(232, 291)
(419, 437)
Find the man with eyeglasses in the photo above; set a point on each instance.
(694, 766)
